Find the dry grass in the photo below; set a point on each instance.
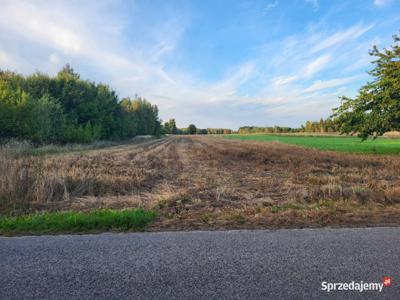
(203, 182)
(392, 134)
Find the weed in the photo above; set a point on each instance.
(206, 218)
(275, 209)
(238, 217)
(162, 204)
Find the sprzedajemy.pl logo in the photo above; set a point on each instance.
(360, 286)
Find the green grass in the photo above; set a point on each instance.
(335, 143)
(78, 222)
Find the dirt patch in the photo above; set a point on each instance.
(210, 183)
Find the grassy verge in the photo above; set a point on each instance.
(335, 143)
(65, 222)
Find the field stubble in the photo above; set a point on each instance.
(209, 183)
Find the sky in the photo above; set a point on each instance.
(212, 63)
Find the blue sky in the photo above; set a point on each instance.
(211, 63)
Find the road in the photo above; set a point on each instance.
(200, 265)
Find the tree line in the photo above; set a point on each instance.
(66, 108)
(171, 128)
(274, 129)
(321, 126)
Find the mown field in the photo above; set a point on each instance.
(335, 143)
(197, 182)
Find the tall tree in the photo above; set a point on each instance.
(170, 126)
(192, 129)
(376, 108)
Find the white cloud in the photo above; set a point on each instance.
(269, 6)
(160, 50)
(306, 71)
(237, 77)
(40, 26)
(317, 65)
(327, 84)
(340, 37)
(283, 80)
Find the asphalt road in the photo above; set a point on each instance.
(289, 264)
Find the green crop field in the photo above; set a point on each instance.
(335, 143)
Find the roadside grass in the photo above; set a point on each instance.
(77, 222)
(334, 143)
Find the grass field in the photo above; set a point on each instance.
(335, 143)
(65, 222)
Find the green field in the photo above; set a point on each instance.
(335, 143)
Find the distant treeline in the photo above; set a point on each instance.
(170, 128)
(219, 131)
(323, 126)
(66, 108)
(275, 129)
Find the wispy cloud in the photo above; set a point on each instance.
(327, 84)
(283, 80)
(351, 33)
(317, 65)
(269, 6)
